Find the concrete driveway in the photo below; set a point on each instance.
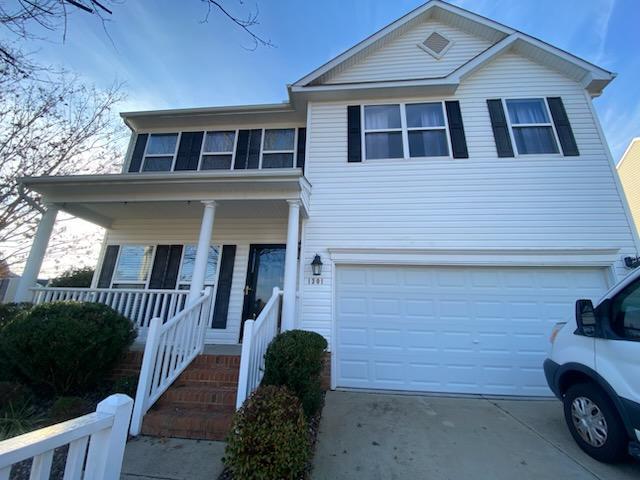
(382, 436)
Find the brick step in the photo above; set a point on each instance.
(187, 423)
(214, 376)
(198, 396)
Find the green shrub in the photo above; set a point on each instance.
(65, 348)
(295, 359)
(66, 408)
(18, 415)
(8, 312)
(74, 277)
(269, 437)
(127, 385)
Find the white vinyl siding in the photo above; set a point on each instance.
(403, 59)
(529, 202)
(226, 231)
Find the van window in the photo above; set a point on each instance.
(625, 312)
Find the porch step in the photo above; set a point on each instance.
(187, 423)
(200, 403)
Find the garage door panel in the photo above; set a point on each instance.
(452, 329)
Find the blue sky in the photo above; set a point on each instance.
(169, 59)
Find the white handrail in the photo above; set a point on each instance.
(169, 349)
(105, 433)
(139, 305)
(256, 338)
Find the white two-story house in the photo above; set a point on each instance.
(431, 201)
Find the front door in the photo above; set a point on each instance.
(265, 271)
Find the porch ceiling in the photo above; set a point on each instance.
(102, 199)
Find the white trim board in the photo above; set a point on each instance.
(603, 257)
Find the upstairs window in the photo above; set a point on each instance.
(133, 266)
(278, 148)
(383, 132)
(427, 130)
(217, 150)
(160, 152)
(531, 126)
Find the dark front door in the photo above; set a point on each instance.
(265, 271)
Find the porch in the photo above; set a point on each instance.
(169, 236)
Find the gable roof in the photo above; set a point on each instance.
(593, 78)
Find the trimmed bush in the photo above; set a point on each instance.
(74, 277)
(269, 437)
(127, 385)
(66, 408)
(65, 348)
(9, 312)
(294, 359)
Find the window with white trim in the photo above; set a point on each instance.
(427, 130)
(160, 152)
(133, 266)
(412, 130)
(383, 132)
(278, 148)
(531, 126)
(217, 150)
(188, 262)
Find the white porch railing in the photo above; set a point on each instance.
(169, 349)
(105, 433)
(138, 305)
(255, 340)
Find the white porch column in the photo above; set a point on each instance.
(202, 251)
(290, 267)
(36, 255)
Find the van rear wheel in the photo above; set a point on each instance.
(594, 422)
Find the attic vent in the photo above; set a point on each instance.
(435, 45)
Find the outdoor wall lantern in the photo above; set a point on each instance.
(316, 265)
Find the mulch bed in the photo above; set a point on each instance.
(314, 429)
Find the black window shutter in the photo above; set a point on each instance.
(108, 266)
(223, 292)
(138, 152)
(500, 128)
(302, 147)
(166, 263)
(354, 139)
(563, 127)
(456, 130)
(189, 151)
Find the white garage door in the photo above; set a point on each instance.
(453, 329)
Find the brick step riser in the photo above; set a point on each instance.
(193, 427)
(227, 397)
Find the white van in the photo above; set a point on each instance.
(594, 368)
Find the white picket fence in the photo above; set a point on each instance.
(169, 349)
(256, 338)
(136, 304)
(96, 444)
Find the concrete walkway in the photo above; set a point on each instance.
(379, 436)
(147, 458)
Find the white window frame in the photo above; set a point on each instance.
(152, 155)
(525, 125)
(404, 130)
(145, 284)
(294, 151)
(233, 153)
